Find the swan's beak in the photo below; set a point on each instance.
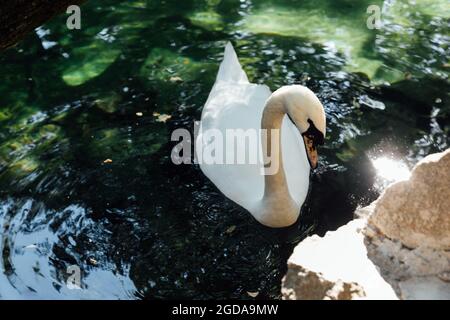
(311, 152)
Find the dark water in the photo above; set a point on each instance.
(141, 227)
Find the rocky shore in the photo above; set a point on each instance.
(396, 248)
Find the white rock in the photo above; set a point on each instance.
(339, 257)
(424, 288)
(398, 248)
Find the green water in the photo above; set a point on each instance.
(139, 226)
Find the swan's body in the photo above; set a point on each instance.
(234, 103)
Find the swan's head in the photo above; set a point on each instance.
(307, 113)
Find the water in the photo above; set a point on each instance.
(85, 173)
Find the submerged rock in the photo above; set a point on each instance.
(397, 248)
(109, 103)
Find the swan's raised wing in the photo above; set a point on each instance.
(230, 69)
(233, 104)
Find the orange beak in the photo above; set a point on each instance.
(311, 152)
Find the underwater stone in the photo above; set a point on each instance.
(110, 103)
(89, 62)
(209, 20)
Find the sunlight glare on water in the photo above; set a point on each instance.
(389, 170)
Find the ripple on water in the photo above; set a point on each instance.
(31, 266)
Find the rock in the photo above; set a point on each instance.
(424, 288)
(334, 267)
(410, 271)
(302, 284)
(417, 212)
(396, 248)
(364, 212)
(398, 261)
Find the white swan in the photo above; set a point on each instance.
(274, 200)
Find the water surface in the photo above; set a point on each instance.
(86, 115)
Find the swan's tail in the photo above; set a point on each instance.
(230, 69)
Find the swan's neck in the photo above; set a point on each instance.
(277, 206)
(272, 119)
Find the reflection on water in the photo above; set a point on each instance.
(389, 170)
(138, 226)
(31, 236)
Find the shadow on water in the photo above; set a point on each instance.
(86, 178)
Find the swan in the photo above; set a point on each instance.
(273, 199)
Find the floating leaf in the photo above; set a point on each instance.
(230, 229)
(161, 117)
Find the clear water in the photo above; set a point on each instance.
(141, 227)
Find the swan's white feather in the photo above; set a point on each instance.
(234, 103)
(230, 69)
